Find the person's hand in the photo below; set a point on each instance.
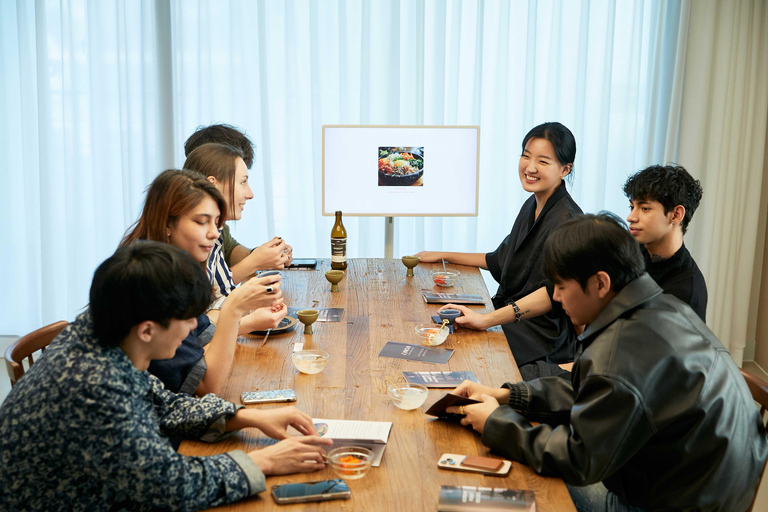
(265, 318)
(275, 422)
(292, 455)
(474, 391)
(270, 255)
(429, 256)
(469, 318)
(256, 293)
(289, 252)
(476, 414)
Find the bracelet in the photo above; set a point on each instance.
(517, 311)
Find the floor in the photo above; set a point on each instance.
(761, 505)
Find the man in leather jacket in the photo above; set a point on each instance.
(656, 409)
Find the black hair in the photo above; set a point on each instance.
(584, 245)
(221, 134)
(670, 185)
(146, 281)
(561, 139)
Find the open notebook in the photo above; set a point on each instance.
(368, 434)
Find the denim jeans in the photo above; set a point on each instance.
(596, 498)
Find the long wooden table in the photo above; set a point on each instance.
(381, 304)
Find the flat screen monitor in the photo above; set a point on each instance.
(400, 171)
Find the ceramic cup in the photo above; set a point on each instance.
(307, 317)
(410, 262)
(334, 277)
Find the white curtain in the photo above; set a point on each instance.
(83, 130)
(722, 136)
(283, 69)
(98, 97)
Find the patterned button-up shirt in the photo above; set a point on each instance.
(85, 430)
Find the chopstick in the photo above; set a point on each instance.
(266, 336)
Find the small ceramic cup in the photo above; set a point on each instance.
(307, 317)
(334, 277)
(410, 262)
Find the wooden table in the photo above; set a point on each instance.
(381, 304)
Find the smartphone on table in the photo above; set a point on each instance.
(311, 491)
(266, 397)
(474, 464)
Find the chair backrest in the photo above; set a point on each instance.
(27, 345)
(759, 390)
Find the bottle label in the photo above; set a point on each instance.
(338, 250)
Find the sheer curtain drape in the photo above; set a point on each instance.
(83, 130)
(283, 69)
(724, 112)
(98, 97)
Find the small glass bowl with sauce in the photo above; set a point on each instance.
(350, 462)
(448, 277)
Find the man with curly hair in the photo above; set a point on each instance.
(662, 201)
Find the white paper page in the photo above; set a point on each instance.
(350, 430)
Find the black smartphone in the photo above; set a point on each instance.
(311, 491)
(303, 263)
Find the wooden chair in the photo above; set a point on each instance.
(27, 345)
(759, 390)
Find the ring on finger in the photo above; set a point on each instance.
(461, 410)
(270, 290)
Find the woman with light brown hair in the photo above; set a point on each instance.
(184, 209)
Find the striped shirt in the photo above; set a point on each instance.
(219, 274)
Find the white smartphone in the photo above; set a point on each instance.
(474, 464)
(266, 397)
(311, 491)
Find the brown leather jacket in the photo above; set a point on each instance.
(656, 410)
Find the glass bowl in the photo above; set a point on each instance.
(350, 462)
(310, 361)
(446, 277)
(407, 396)
(427, 334)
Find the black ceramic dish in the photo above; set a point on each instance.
(394, 180)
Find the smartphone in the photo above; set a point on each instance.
(475, 464)
(266, 397)
(311, 491)
(303, 263)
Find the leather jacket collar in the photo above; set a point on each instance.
(631, 296)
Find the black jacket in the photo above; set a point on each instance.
(656, 410)
(516, 266)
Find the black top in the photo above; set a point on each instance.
(184, 372)
(681, 277)
(516, 266)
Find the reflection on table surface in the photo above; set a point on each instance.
(381, 304)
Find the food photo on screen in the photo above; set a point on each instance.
(401, 166)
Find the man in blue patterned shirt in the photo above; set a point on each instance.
(87, 427)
